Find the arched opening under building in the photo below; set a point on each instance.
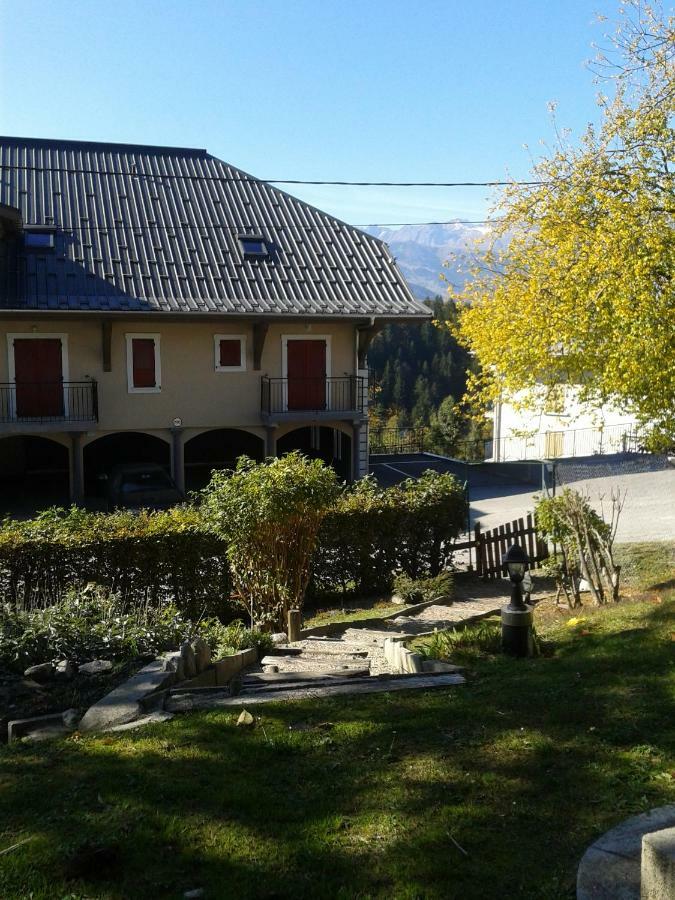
(34, 475)
(331, 445)
(124, 447)
(218, 449)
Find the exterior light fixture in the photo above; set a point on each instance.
(515, 560)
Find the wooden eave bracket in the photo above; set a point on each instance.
(366, 337)
(260, 330)
(106, 341)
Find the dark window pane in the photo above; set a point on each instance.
(143, 350)
(230, 352)
(39, 239)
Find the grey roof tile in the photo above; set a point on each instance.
(156, 228)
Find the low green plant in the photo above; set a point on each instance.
(86, 624)
(423, 590)
(227, 639)
(481, 639)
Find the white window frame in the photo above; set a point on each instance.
(285, 338)
(11, 365)
(130, 336)
(217, 338)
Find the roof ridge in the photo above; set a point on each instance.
(60, 142)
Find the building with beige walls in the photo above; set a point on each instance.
(159, 305)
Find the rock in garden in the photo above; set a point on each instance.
(71, 719)
(41, 672)
(399, 601)
(194, 894)
(202, 653)
(280, 637)
(96, 667)
(245, 718)
(174, 663)
(189, 660)
(66, 669)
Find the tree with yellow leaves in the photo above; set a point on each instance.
(577, 286)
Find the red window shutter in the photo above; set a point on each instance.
(230, 352)
(143, 354)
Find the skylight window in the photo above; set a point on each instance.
(39, 239)
(253, 246)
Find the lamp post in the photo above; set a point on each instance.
(517, 616)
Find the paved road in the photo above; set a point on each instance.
(648, 513)
(648, 485)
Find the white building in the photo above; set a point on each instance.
(561, 428)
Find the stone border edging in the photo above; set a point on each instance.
(610, 868)
(336, 627)
(146, 691)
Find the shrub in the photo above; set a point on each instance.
(87, 624)
(481, 639)
(145, 558)
(371, 533)
(586, 544)
(227, 639)
(423, 590)
(269, 516)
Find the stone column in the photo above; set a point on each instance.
(76, 468)
(356, 451)
(177, 466)
(270, 441)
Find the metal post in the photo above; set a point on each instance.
(517, 624)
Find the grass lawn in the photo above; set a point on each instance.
(491, 789)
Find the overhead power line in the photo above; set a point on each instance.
(243, 227)
(163, 176)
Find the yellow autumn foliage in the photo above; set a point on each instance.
(577, 286)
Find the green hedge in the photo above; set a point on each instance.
(374, 533)
(145, 559)
(151, 558)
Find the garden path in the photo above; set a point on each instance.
(345, 662)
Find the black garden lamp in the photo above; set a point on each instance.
(516, 617)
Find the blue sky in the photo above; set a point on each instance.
(380, 90)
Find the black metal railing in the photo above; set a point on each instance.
(348, 393)
(49, 401)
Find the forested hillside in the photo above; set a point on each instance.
(414, 369)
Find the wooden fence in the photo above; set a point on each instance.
(489, 546)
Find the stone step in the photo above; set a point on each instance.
(313, 662)
(370, 685)
(308, 675)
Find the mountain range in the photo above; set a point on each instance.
(422, 251)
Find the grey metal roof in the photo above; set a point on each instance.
(156, 229)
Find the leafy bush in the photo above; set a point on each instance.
(422, 590)
(371, 533)
(87, 624)
(269, 515)
(481, 639)
(265, 523)
(227, 639)
(145, 558)
(586, 543)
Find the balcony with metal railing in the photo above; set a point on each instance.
(313, 399)
(48, 405)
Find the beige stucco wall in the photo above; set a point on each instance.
(190, 387)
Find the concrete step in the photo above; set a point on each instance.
(313, 663)
(369, 685)
(290, 677)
